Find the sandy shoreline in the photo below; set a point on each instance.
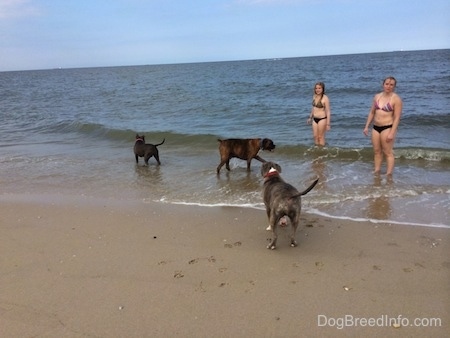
(91, 268)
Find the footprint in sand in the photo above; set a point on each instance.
(178, 274)
(210, 259)
(200, 288)
(238, 243)
(319, 265)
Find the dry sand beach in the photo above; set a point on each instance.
(94, 245)
(81, 267)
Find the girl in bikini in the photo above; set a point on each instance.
(385, 114)
(320, 116)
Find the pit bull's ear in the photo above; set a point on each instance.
(264, 168)
(277, 167)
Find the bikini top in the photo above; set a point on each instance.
(387, 107)
(318, 104)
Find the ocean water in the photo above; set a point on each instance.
(71, 132)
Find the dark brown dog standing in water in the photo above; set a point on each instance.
(281, 199)
(245, 149)
(141, 149)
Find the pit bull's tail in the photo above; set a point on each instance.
(160, 143)
(307, 190)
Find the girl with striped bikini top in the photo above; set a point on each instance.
(387, 107)
(384, 114)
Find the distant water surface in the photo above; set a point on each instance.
(71, 131)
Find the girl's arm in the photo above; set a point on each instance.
(369, 118)
(398, 107)
(328, 112)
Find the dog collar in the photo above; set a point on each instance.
(139, 139)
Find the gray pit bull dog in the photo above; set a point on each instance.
(281, 200)
(141, 149)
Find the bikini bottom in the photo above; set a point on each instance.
(317, 119)
(381, 128)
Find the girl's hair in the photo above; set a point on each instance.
(390, 78)
(323, 88)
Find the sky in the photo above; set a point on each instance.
(46, 34)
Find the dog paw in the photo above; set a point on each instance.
(271, 247)
(269, 228)
(293, 244)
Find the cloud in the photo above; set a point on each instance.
(14, 9)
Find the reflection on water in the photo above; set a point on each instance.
(380, 207)
(239, 181)
(319, 167)
(148, 176)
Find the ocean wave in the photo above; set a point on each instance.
(377, 221)
(361, 193)
(364, 154)
(425, 119)
(427, 154)
(98, 131)
(209, 141)
(308, 210)
(257, 206)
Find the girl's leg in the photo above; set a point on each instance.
(387, 151)
(315, 129)
(321, 129)
(377, 151)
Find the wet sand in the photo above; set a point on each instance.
(80, 267)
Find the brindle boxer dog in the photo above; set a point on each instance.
(281, 199)
(245, 149)
(146, 150)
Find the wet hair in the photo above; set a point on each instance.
(323, 88)
(390, 78)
